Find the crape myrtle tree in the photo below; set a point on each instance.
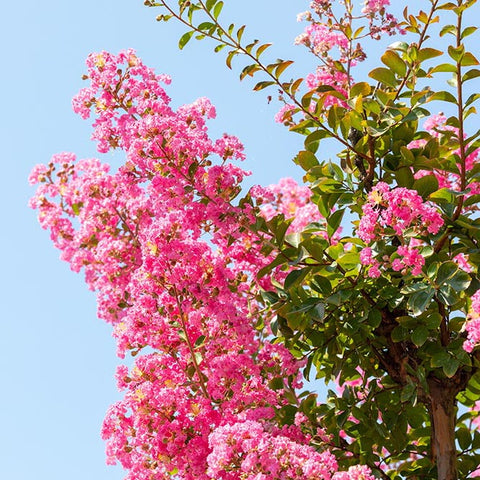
(228, 300)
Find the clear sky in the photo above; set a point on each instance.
(57, 359)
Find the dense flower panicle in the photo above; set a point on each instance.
(321, 39)
(291, 200)
(173, 262)
(248, 451)
(395, 212)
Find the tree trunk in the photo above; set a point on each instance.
(443, 417)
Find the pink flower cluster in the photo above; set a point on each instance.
(291, 200)
(380, 21)
(270, 455)
(172, 261)
(396, 212)
(328, 36)
(436, 126)
(321, 39)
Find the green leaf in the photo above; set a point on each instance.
(419, 301)
(282, 66)
(443, 96)
(444, 195)
(209, 4)
(456, 53)
(451, 29)
(399, 334)
(295, 277)
(322, 285)
(404, 177)
(229, 58)
(428, 53)
(408, 391)
(334, 221)
(426, 185)
(206, 26)
(217, 10)
(400, 46)
(314, 138)
(446, 294)
(393, 61)
(318, 311)
(306, 160)
(420, 335)
(433, 321)
(446, 271)
(453, 82)
(276, 383)
(384, 75)
(460, 281)
(261, 85)
(468, 31)
(464, 438)
(468, 60)
(261, 49)
(374, 317)
(439, 358)
(184, 39)
(361, 88)
(240, 33)
(450, 367)
(76, 207)
(443, 67)
(349, 261)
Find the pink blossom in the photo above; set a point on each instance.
(462, 261)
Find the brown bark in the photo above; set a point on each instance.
(443, 416)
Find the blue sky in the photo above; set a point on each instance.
(57, 359)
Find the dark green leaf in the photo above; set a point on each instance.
(464, 438)
(460, 281)
(420, 335)
(450, 367)
(404, 177)
(419, 301)
(426, 185)
(334, 221)
(446, 271)
(446, 294)
(294, 277)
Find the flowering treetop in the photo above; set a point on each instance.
(227, 305)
